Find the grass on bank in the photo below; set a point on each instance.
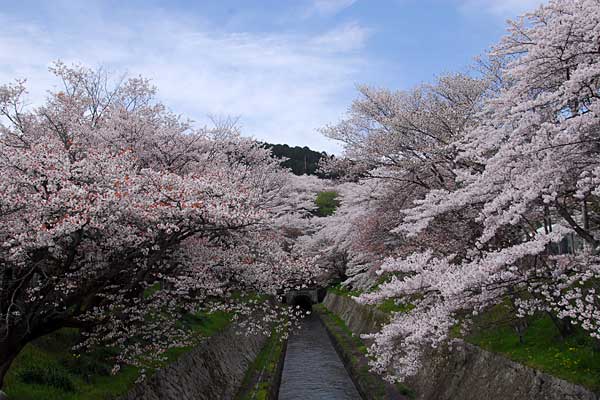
(355, 352)
(47, 369)
(343, 291)
(388, 306)
(261, 376)
(347, 339)
(575, 358)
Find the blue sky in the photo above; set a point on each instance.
(285, 68)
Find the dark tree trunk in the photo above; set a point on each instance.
(564, 326)
(520, 327)
(9, 350)
(13, 341)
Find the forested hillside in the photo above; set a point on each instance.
(301, 160)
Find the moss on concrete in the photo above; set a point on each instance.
(262, 378)
(353, 353)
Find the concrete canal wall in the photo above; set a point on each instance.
(467, 372)
(213, 370)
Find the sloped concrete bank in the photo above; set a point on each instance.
(358, 317)
(466, 372)
(370, 385)
(213, 370)
(263, 377)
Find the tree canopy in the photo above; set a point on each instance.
(301, 160)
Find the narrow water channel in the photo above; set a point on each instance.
(312, 369)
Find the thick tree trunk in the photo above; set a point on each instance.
(564, 326)
(14, 341)
(9, 350)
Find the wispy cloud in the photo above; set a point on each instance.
(344, 38)
(501, 8)
(329, 7)
(283, 86)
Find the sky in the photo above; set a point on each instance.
(284, 68)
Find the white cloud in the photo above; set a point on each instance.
(282, 86)
(347, 37)
(329, 7)
(502, 8)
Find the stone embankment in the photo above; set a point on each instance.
(213, 370)
(465, 372)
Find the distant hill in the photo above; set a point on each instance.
(302, 160)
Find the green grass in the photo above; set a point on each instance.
(327, 203)
(343, 291)
(151, 290)
(203, 325)
(388, 306)
(257, 386)
(347, 340)
(47, 369)
(354, 351)
(575, 358)
(38, 371)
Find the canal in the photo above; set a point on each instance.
(312, 369)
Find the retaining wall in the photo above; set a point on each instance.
(466, 372)
(213, 370)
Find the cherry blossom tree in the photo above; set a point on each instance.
(105, 193)
(409, 132)
(523, 178)
(398, 146)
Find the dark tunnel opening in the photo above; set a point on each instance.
(304, 302)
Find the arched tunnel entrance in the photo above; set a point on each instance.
(303, 301)
(304, 298)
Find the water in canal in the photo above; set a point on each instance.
(312, 369)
